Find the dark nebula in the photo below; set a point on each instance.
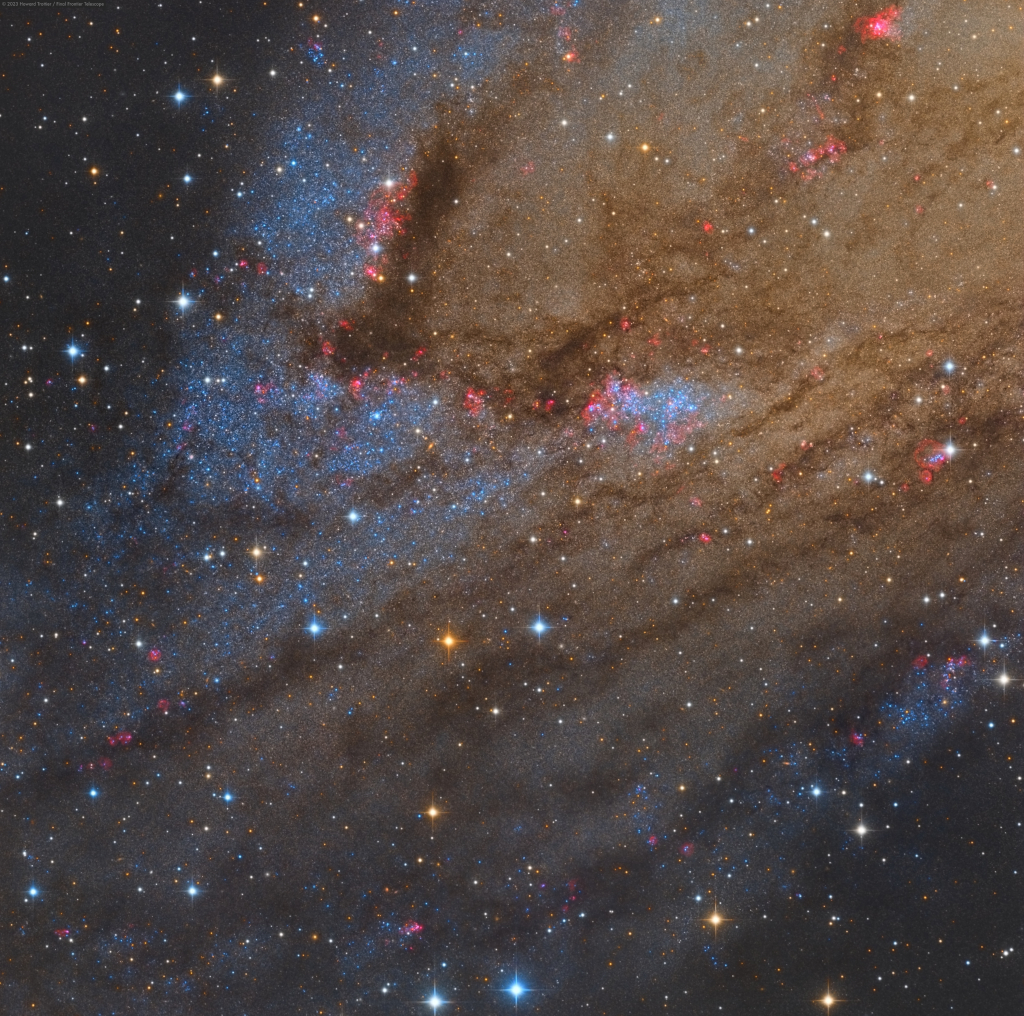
(512, 508)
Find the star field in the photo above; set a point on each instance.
(511, 508)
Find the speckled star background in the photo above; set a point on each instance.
(511, 508)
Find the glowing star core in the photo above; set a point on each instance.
(516, 990)
(314, 628)
(434, 1002)
(539, 627)
(183, 301)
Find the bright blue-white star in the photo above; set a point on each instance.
(94, 792)
(353, 516)
(192, 891)
(183, 302)
(313, 628)
(33, 892)
(516, 989)
(434, 1001)
(187, 178)
(179, 97)
(539, 627)
(228, 797)
(72, 351)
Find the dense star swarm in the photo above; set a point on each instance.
(512, 509)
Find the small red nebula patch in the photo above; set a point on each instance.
(327, 349)
(920, 662)
(831, 149)
(652, 841)
(625, 324)
(62, 932)
(565, 32)
(804, 445)
(243, 264)
(101, 763)
(346, 325)
(154, 655)
(704, 538)
(687, 849)
(778, 471)
(919, 209)
(122, 738)
(708, 228)
(857, 739)
(527, 169)
(879, 26)
(930, 457)
(164, 705)
(991, 185)
(261, 268)
(696, 502)
(474, 401)
(817, 373)
(925, 476)
(411, 928)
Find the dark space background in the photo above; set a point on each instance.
(511, 508)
